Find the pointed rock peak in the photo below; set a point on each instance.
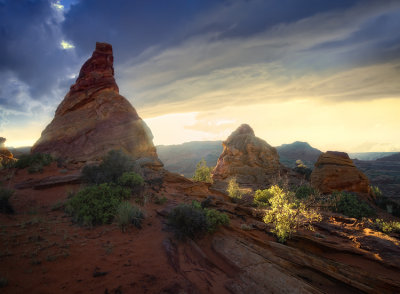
(98, 71)
(2, 141)
(94, 119)
(243, 129)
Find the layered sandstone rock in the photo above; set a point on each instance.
(94, 119)
(249, 159)
(335, 171)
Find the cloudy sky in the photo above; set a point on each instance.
(325, 72)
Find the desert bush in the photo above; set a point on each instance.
(34, 162)
(160, 201)
(301, 168)
(385, 203)
(234, 191)
(191, 221)
(113, 166)
(262, 197)
(304, 192)
(130, 179)
(215, 219)
(286, 214)
(202, 172)
(387, 227)
(95, 205)
(349, 204)
(127, 214)
(5, 206)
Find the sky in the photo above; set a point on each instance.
(324, 72)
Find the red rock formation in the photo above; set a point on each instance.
(94, 119)
(335, 171)
(249, 159)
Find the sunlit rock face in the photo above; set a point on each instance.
(94, 119)
(249, 159)
(335, 171)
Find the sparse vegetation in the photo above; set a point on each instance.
(387, 227)
(96, 205)
(113, 166)
(384, 202)
(262, 197)
(234, 190)
(130, 179)
(34, 162)
(128, 214)
(304, 192)
(160, 201)
(5, 206)
(202, 172)
(191, 221)
(301, 168)
(286, 214)
(215, 219)
(349, 204)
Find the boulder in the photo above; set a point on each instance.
(249, 159)
(94, 119)
(335, 171)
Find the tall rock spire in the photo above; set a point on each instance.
(94, 119)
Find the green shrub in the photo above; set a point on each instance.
(286, 215)
(215, 219)
(234, 190)
(5, 206)
(191, 221)
(35, 162)
(385, 203)
(113, 166)
(387, 227)
(96, 205)
(349, 204)
(304, 192)
(130, 179)
(160, 201)
(301, 168)
(202, 172)
(128, 214)
(262, 197)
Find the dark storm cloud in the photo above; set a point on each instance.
(169, 41)
(30, 53)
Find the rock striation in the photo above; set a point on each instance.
(249, 159)
(335, 171)
(94, 119)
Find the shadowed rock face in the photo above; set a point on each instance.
(94, 119)
(335, 171)
(249, 159)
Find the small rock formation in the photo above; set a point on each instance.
(94, 119)
(249, 159)
(6, 157)
(335, 171)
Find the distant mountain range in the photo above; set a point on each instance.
(183, 158)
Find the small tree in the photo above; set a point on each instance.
(203, 172)
(234, 190)
(286, 214)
